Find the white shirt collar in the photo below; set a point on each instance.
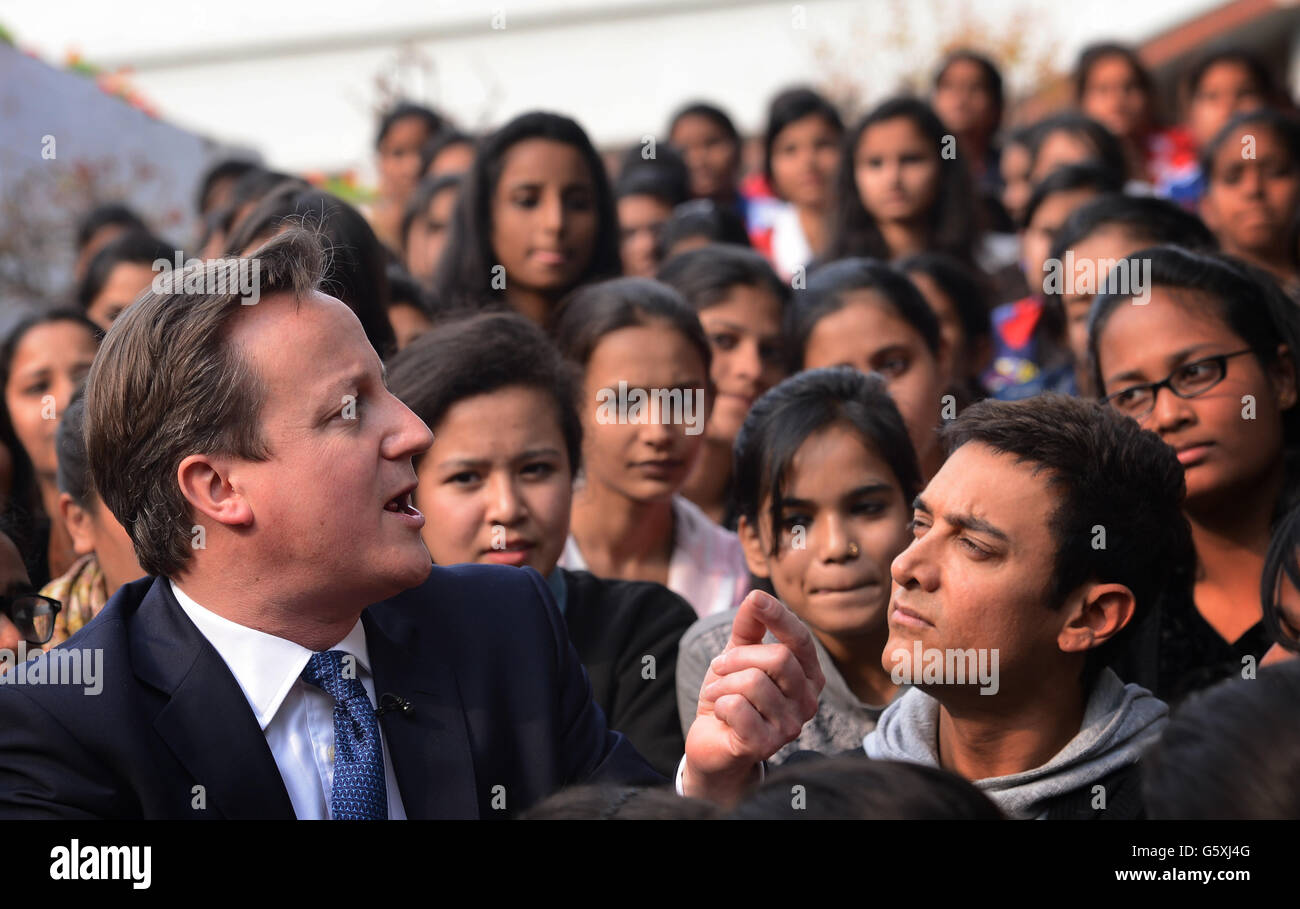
(266, 667)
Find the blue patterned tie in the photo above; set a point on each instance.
(359, 792)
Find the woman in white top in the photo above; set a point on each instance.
(645, 402)
(802, 149)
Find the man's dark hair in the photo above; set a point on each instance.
(851, 788)
(1229, 752)
(1111, 477)
(479, 354)
(617, 802)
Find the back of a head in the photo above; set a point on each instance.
(852, 788)
(1106, 472)
(615, 802)
(1229, 752)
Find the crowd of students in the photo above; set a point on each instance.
(907, 429)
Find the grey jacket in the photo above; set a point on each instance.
(1119, 723)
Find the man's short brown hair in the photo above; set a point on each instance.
(168, 383)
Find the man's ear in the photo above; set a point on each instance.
(79, 524)
(205, 483)
(1098, 613)
(752, 543)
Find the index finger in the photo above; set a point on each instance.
(760, 613)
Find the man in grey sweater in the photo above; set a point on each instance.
(1040, 544)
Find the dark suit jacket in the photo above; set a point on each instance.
(502, 713)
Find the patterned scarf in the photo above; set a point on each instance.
(83, 592)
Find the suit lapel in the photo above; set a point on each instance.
(207, 722)
(429, 745)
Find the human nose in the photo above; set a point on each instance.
(1168, 410)
(409, 437)
(835, 542)
(915, 567)
(505, 505)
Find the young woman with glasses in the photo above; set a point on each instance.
(1203, 356)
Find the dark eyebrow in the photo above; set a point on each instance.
(866, 489)
(1177, 358)
(968, 522)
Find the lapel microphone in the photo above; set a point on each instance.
(390, 702)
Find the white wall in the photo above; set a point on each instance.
(296, 78)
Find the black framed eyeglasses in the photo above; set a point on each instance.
(1187, 381)
(32, 614)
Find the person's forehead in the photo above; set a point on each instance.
(997, 487)
(645, 349)
(870, 312)
(304, 341)
(543, 158)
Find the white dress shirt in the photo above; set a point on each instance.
(296, 718)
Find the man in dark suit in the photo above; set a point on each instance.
(264, 473)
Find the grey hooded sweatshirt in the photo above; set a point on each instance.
(1119, 722)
